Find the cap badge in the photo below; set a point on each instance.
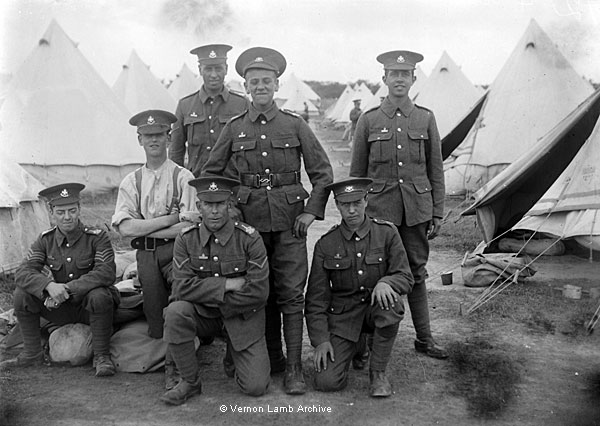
(64, 193)
(349, 188)
(259, 59)
(213, 187)
(212, 54)
(400, 59)
(150, 120)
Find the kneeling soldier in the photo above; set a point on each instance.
(80, 290)
(220, 283)
(359, 270)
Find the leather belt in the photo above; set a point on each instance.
(149, 244)
(272, 179)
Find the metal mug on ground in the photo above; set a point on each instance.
(447, 278)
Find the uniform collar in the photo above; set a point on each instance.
(205, 96)
(222, 235)
(361, 232)
(269, 114)
(72, 238)
(406, 106)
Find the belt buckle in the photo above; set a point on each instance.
(268, 181)
(151, 247)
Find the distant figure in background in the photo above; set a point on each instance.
(154, 203)
(354, 115)
(80, 289)
(305, 113)
(397, 144)
(202, 115)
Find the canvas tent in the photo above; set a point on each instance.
(535, 89)
(22, 216)
(418, 84)
(448, 93)
(335, 112)
(62, 122)
(375, 101)
(293, 88)
(184, 84)
(139, 89)
(556, 184)
(361, 92)
(297, 103)
(237, 86)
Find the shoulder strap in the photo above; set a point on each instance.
(175, 198)
(138, 187)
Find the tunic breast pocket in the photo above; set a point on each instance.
(84, 265)
(243, 151)
(340, 273)
(194, 129)
(380, 147)
(200, 266)
(54, 264)
(376, 264)
(417, 138)
(232, 268)
(285, 152)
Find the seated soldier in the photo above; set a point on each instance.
(359, 270)
(220, 284)
(80, 290)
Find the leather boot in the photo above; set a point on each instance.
(104, 365)
(180, 393)
(379, 386)
(293, 381)
(23, 360)
(430, 348)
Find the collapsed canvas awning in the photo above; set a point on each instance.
(503, 201)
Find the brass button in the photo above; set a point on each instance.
(212, 130)
(360, 272)
(399, 146)
(263, 122)
(208, 148)
(216, 258)
(70, 275)
(68, 259)
(399, 129)
(216, 240)
(268, 187)
(216, 275)
(400, 163)
(263, 137)
(357, 238)
(264, 154)
(361, 288)
(236, 269)
(401, 180)
(267, 170)
(358, 254)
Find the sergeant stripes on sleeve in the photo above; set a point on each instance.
(104, 256)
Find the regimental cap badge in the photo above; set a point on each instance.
(150, 120)
(350, 189)
(153, 121)
(400, 59)
(62, 194)
(263, 58)
(212, 54)
(213, 187)
(259, 59)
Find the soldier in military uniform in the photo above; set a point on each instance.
(154, 204)
(80, 289)
(220, 283)
(359, 271)
(267, 145)
(202, 114)
(397, 144)
(354, 116)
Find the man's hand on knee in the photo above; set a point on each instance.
(323, 351)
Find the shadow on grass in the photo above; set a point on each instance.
(485, 375)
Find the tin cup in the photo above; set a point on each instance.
(447, 278)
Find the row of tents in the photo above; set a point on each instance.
(529, 144)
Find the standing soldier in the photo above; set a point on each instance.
(354, 116)
(154, 203)
(202, 115)
(80, 289)
(359, 270)
(397, 144)
(267, 145)
(220, 283)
